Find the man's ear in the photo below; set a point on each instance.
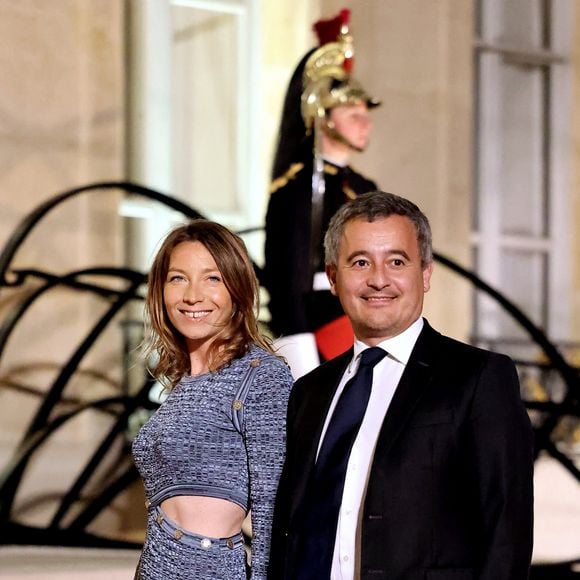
(331, 275)
(427, 271)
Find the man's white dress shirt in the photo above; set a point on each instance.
(386, 376)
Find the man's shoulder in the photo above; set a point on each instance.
(470, 349)
(460, 350)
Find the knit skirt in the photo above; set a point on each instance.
(170, 553)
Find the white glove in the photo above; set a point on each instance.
(300, 352)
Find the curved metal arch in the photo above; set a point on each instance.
(11, 473)
(71, 365)
(28, 222)
(68, 280)
(72, 495)
(54, 393)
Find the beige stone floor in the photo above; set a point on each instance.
(557, 537)
(47, 563)
(556, 513)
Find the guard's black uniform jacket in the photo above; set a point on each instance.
(294, 307)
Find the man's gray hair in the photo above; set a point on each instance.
(373, 205)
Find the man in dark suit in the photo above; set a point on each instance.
(435, 481)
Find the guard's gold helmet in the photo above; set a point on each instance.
(327, 80)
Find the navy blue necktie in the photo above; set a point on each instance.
(324, 492)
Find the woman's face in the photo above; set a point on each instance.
(195, 296)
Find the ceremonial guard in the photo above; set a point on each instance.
(324, 121)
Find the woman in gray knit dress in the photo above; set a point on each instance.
(214, 449)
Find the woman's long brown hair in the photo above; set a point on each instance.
(164, 342)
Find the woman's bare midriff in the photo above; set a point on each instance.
(205, 516)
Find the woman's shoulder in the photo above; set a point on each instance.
(255, 357)
(271, 368)
(258, 356)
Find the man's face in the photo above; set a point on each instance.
(354, 123)
(379, 279)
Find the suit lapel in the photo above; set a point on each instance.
(414, 382)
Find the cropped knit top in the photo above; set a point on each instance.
(222, 434)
